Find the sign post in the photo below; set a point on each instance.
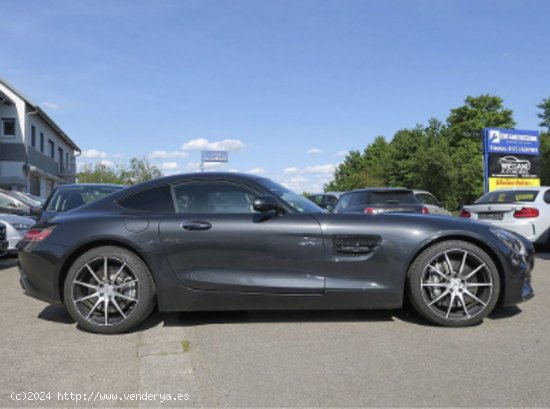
(510, 158)
(213, 156)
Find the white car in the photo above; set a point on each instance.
(16, 227)
(524, 210)
(430, 203)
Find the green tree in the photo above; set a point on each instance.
(376, 159)
(139, 170)
(477, 113)
(545, 158)
(405, 156)
(348, 174)
(464, 129)
(545, 114)
(368, 169)
(99, 173)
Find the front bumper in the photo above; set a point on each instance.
(4, 245)
(517, 286)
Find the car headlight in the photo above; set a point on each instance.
(21, 226)
(510, 240)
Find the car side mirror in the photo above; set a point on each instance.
(266, 204)
(329, 208)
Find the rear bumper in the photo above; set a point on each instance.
(526, 228)
(39, 272)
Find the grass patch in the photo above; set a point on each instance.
(185, 345)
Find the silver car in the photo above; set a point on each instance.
(430, 203)
(524, 210)
(16, 227)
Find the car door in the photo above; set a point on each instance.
(216, 242)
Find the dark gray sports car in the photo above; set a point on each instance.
(215, 241)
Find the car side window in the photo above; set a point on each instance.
(213, 197)
(317, 199)
(428, 199)
(8, 201)
(331, 200)
(4, 201)
(547, 196)
(158, 199)
(343, 203)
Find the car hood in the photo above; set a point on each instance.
(13, 218)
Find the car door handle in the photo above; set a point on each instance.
(195, 225)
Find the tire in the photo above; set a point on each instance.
(127, 290)
(454, 284)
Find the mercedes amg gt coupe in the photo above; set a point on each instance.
(217, 241)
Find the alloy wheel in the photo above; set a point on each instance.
(456, 285)
(105, 291)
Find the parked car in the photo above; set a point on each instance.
(12, 204)
(430, 202)
(27, 198)
(68, 197)
(326, 200)
(525, 211)
(3, 242)
(225, 241)
(15, 228)
(379, 200)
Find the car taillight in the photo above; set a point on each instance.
(526, 212)
(425, 210)
(36, 235)
(372, 210)
(465, 213)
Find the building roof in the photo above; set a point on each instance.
(39, 111)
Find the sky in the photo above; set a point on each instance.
(288, 87)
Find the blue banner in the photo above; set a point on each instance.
(516, 141)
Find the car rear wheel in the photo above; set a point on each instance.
(454, 283)
(109, 290)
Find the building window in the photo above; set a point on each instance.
(34, 185)
(67, 159)
(33, 136)
(60, 157)
(52, 148)
(8, 126)
(42, 142)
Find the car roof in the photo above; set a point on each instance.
(77, 185)
(381, 189)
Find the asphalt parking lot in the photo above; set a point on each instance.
(291, 359)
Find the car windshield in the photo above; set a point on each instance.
(508, 196)
(295, 200)
(26, 199)
(64, 199)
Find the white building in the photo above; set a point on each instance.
(35, 154)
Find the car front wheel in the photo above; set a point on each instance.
(454, 283)
(109, 290)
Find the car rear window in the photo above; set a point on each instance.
(64, 199)
(508, 196)
(392, 197)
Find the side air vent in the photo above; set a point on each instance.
(355, 246)
(2, 232)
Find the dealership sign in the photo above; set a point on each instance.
(511, 158)
(215, 156)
